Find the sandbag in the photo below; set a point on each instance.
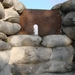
(18, 6)
(56, 41)
(4, 45)
(9, 28)
(11, 15)
(24, 40)
(68, 20)
(3, 36)
(68, 6)
(7, 3)
(56, 7)
(2, 12)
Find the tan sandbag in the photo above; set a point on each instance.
(4, 46)
(18, 6)
(9, 28)
(3, 36)
(4, 60)
(2, 12)
(24, 40)
(56, 41)
(8, 3)
(29, 54)
(11, 15)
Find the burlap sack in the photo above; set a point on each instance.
(7, 3)
(18, 6)
(2, 12)
(11, 15)
(9, 28)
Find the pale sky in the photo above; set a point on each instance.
(40, 4)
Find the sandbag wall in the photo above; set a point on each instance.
(29, 54)
(67, 11)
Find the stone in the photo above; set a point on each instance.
(2, 12)
(56, 41)
(29, 54)
(18, 6)
(4, 45)
(62, 54)
(3, 36)
(68, 20)
(68, 6)
(24, 40)
(57, 7)
(11, 15)
(54, 67)
(8, 3)
(9, 28)
(70, 32)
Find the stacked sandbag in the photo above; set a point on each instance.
(2, 12)
(67, 10)
(31, 54)
(10, 10)
(28, 53)
(36, 55)
(9, 18)
(4, 60)
(5, 48)
(69, 21)
(61, 57)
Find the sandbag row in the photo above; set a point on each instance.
(41, 59)
(32, 40)
(30, 54)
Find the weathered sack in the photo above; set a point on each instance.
(4, 45)
(2, 12)
(7, 3)
(11, 15)
(24, 40)
(3, 36)
(56, 41)
(9, 28)
(18, 6)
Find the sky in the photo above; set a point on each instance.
(40, 4)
